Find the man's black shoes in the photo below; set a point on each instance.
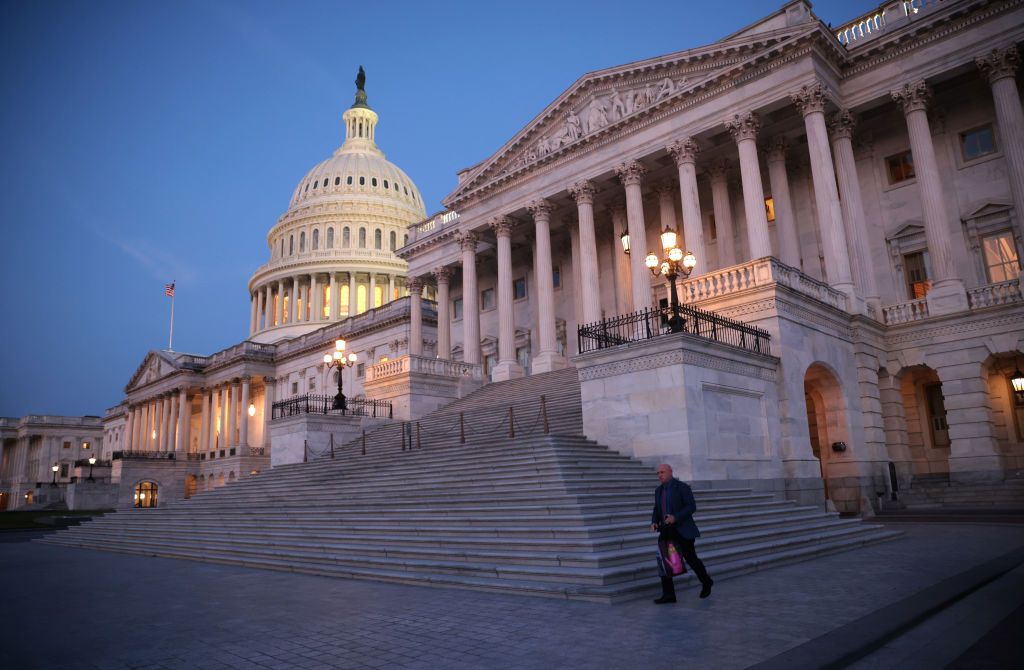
(705, 588)
(664, 600)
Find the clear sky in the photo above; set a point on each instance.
(145, 142)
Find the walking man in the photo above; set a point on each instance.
(672, 518)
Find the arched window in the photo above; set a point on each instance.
(281, 253)
(307, 187)
(316, 239)
(315, 184)
(291, 245)
(337, 180)
(362, 181)
(345, 241)
(385, 183)
(145, 494)
(348, 180)
(330, 238)
(373, 182)
(393, 239)
(377, 239)
(302, 241)
(362, 238)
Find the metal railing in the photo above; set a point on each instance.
(649, 323)
(324, 404)
(83, 462)
(143, 455)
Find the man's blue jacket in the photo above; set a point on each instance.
(679, 503)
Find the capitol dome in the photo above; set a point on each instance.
(332, 251)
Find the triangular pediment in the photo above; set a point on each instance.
(989, 209)
(906, 230)
(155, 365)
(607, 101)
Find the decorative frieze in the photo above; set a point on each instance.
(676, 357)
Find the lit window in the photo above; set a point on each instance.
(519, 288)
(977, 143)
(900, 167)
(456, 309)
(1001, 259)
(67, 445)
(556, 277)
(145, 494)
(769, 208)
(487, 299)
(916, 272)
(85, 445)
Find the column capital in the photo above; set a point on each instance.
(999, 63)
(583, 192)
(720, 168)
(443, 274)
(912, 97)
(415, 285)
(246, 379)
(811, 98)
(502, 226)
(684, 150)
(630, 173)
(744, 126)
(841, 124)
(468, 241)
(775, 149)
(540, 208)
(268, 380)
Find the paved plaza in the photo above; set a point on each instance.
(72, 608)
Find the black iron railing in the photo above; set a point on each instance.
(324, 404)
(649, 323)
(82, 462)
(143, 455)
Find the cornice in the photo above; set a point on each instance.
(913, 332)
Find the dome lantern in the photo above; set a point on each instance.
(360, 121)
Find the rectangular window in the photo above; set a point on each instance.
(295, 388)
(85, 445)
(361, 370)
(67, 445)
(556, 277)
(519, 288)
(312, 383)
(769, 208)
(712, 228)
(937, 415)
(1001, 260)
(915, 267)
(489, 363)
(63, 470)
(456, 309)
(900, 167)
(487, 299)
(977, 142)
(523, 356)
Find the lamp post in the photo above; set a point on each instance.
(54, 467)
(92, 462)
(674, 263)
(1017, 380)
(338, 359)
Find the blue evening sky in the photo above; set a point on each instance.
(145, 142)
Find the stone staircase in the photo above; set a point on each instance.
(550, 514)
(935, 492)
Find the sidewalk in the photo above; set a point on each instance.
(69, 608)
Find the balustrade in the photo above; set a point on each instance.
(757, 273)
(424, 365)
(905, 312)
(993, 295)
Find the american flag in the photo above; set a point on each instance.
(169, 290)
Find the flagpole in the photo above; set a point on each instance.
(170, 339)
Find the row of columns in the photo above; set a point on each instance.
(267, 308)
(160, 424)
(223, 417)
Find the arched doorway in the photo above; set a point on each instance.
(826, 417)
(924, 409)
(146, 495)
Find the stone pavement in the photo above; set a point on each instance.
(73, 608)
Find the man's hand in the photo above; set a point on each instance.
(654, 527)
(670, 518)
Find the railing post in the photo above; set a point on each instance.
(462, 427)
(544, 413)
(419, 441)
(364, 441)
(305, 451)
(403, 425)
(511, 422)
(332, 446)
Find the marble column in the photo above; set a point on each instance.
(508, 367)
(232, 412)
(722, 207)
(184, 420)
(268, 407)
(631, 174)
(371, 299)
(571, 223)
(974, 447)
(261, 307)
(744, 129)
(334, 297)
(811, 100)
(315, 308)
(204, 420)
(279, 307)
(470, 301)
(623, 278)
(415, 316)
(225, 404)
(1000, 66)
(841, 124)
(590, 280)
(548, 359)
(254, 311)
(947, 294)
(215, 393)
(158, 424)
(172, 424)
(685, 151)
(353, 294)
(391, 289)
(129, 426)
(785, 215)
(243, 420)
(293, 301)
(443, 276)
(666, 191)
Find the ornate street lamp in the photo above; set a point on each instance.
(54, 467)
(338, 359)
(1018, 385)
(92, 462)
(674, 264)
(624, 238)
